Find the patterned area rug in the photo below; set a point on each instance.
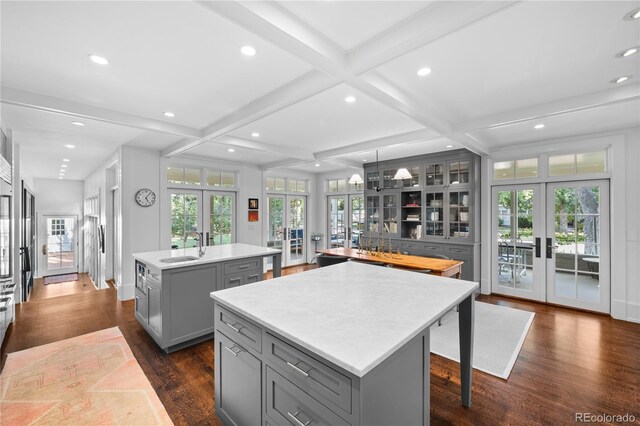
(55, 279)
(92, 379)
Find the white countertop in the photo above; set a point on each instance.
(351, 314)
(214, 254)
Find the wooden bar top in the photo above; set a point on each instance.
(441, 267)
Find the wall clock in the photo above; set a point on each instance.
(145, 197)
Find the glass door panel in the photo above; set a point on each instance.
(390, 213)
(435, 175)
(434, 222)
(518, 266)
(275, 222)
(357, 213)
(5, 236)
(337, 225)
(297, 225)
(458, 172)
(459, 214)
(373, 214)
(220, 216)
(60, 250)
(186, 211)
(578, 228)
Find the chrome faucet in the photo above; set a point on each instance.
(199, 238)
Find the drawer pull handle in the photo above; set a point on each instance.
(243, 267)
(298, 369)
(235, 353)
(237, 330)
(293, 416)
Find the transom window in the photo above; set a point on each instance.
(581, 163)
(342, 185)
(286, 184)
(516, 169)
(194, 176)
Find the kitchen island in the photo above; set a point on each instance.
(172, 286)
(344, 344)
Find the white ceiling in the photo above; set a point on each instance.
(498, 68)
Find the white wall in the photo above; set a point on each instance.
(625, 210)
(58, 197)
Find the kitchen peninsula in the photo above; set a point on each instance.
(172, 286)
(344, 344)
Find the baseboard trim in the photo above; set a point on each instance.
(626, 311)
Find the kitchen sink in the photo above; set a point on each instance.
(178, 259)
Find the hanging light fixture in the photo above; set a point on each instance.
(402, 174)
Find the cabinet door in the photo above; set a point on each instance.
(434, 209)
(435, 175)
(239, 393)
(390, 208)
(142, 307)
(459, 220)
(154, 296)
(459, 172)
(373, 214)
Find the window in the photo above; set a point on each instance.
(286, 184)
(182, 175)
(184, 219)
(581, 163)
(518, 169)
(57, 227)
(275, 184)
(342, 185)
(297, 185)
(221, 179)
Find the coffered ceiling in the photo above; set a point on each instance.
(497, 68)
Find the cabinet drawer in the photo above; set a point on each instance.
(253, 276)
(288, 404)
(241, 266)
(239, 329)
(414, 248)
(428, 249)
(154, 274)
(142, 306)
(232, 281)
(453, 250)
(320, 381)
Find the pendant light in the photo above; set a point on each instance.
(356, 179)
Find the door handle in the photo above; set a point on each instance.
(538, 246)
(207, 242)
(549, 248)
(44, 249)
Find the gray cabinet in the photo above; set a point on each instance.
(239, 387)
(141, 307)
(154, 300)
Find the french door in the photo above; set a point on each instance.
(209, 212)
(60, 251)
(552, 243)
(286, 227)
(345, 220)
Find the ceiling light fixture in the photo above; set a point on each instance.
(449, 146)
(64, 166)
(248, 50)
(621, 79)
(60, 177)
(627, 52)
(100, 60)
(634, 14)
(255, 134)
(539, 126)
(350, 99)
(77, 123)
(424, 71)
(231, 150)
(69, 146)
(317, 164)
(364, 161)
(169, 114)
(66, 160)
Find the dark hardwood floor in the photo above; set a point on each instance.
(571, 362)
(41, 291)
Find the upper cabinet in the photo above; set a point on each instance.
(436, 204)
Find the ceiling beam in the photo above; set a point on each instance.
(299, 89)
(344, 162)
(300, 154)
(372, 144)
(279, 27)
(287, 162)
(11, 96)
(426, 26)
(624, 93)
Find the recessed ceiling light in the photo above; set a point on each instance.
(539, 126)
(169, 114)
(627, 52)
(69, 146)
(350, 99)
(634, 14)
(317, 164)
(77, 123)
(100, 60)
(231, 150)
(255, 134)
(64, 166)
(364, 161)
(424, 71)
(248, 50)
(60, 177)
(621, 79)
(449, 146)
(66, 160)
